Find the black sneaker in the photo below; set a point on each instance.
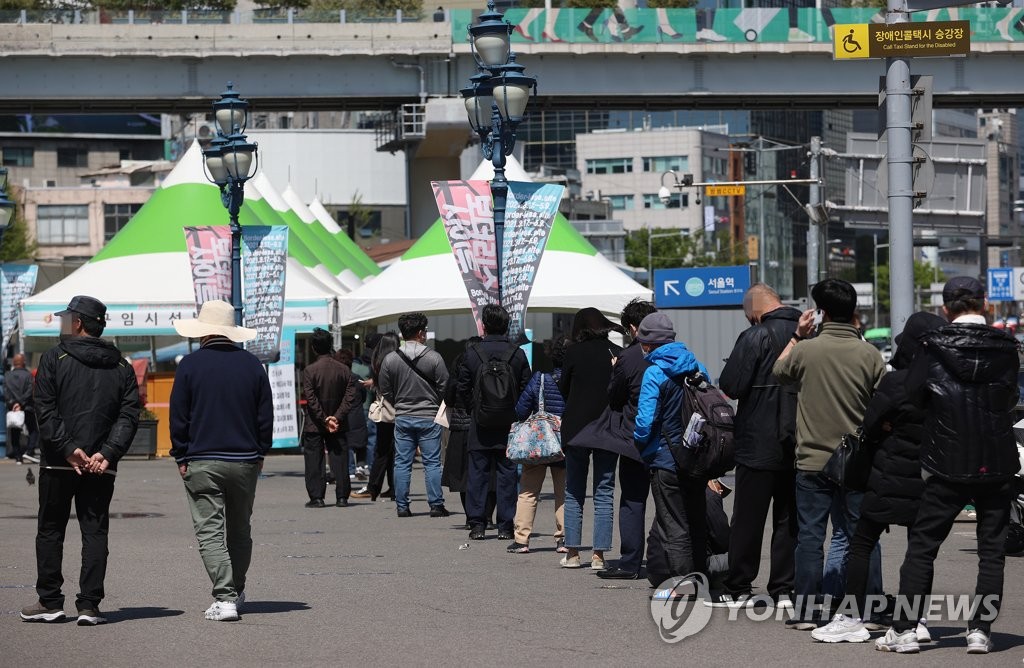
(617, 574)
(506, 534)
(41, 613)
(404, 512)
(477, 533)
(439, 511)
(341, 503)
(518, 548)
(90, 617)
(315, 503)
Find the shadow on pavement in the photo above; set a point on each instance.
(271, 607)
(955, 637)
(131, 614)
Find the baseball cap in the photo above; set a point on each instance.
(86, 307)
(962, 287)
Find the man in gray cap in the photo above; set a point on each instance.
(966, 379)
(680, 522)
(87, 401)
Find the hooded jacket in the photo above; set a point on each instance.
(766, 417)
(87, 397)
(966, 379)
(659, 418)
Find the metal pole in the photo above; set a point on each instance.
(499, 189)
(901, 179)
(874, 286)
(762, 247)
(813, 233)
(237, 193)
(650, 259)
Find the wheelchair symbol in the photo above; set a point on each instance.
(850, 45)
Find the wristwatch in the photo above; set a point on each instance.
(796, 337)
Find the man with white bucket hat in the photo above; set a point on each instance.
(222, 425)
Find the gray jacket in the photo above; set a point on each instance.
(410, 394)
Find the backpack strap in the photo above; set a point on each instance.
(416, 370)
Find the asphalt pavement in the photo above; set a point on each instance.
(360, 586)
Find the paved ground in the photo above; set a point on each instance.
(360, 586)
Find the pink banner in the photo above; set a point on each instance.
(209, 251)
(468, 216)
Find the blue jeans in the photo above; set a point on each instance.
(410, 433)
(371, 442)
(817, 499)
(844, 524)
(577, 465)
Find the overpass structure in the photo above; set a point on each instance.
(754, 58)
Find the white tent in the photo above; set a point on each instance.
(572, 275)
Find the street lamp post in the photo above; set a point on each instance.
(6, 216)
(496, 101)
(231, 161)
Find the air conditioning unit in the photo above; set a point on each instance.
(206, 131)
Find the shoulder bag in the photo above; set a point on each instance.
(538, 438)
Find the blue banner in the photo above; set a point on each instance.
(701, 287)
(18, 282)
(1000, 285)
(529, 211)
(264, 267)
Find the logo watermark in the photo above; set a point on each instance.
(677, 607)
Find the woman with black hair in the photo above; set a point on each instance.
(585, 374)
(384, 455)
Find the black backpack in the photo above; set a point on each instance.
(496, 390)
(715, 454)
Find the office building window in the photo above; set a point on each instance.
(621, 202)
(664, 163)
(116, 216)
(62, 225)
(18, 156)
(610, 166)
(72, 157)
(677, 201)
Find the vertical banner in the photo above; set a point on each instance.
(264, 265)
(286, 400)
(529, 212)
(209, 251)
(17, 281)
(465, 208)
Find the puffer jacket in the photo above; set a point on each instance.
(895, 484)
(659, 418)
(529, 400)
(766, 417)
(966, 379)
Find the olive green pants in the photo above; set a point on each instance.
(220, 497)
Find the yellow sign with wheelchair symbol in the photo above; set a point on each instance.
(851, 40)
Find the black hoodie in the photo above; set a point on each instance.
(966, 378)
(86, 397)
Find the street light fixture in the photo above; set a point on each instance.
(6, 206)
(496, 101)
(231, 160)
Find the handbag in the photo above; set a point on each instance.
(538, 438)
(15, 419)
(850, 464)
(381, 410)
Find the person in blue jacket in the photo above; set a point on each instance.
(532, 478)
(680, 520)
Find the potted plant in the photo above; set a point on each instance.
(144, 443)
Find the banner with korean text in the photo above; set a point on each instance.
(209, 252)
(529, 212)
(465, 208)
(18, 282)
(264, 268)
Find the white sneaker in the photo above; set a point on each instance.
(978, 642)
(222, 611)
(923, 634)
(709, 35)
(901, 643)
(842, 629)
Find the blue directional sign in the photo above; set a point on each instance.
(705, 286)
(1000, 284)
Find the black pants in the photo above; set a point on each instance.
(755, 490)
(858, 563)
(383, 460)
(635, 487)
(92, 493)
(479, 483)
(941, 502)
(313, 447)
(680, 520)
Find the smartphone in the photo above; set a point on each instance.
(818, 317)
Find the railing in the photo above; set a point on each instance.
(400, 127)
(635, 26)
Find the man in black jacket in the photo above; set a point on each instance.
(765, 437)
(966, 378)
(87, 400)
(634, 478)
(487, 443)
(18, 395)
(329, 392)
